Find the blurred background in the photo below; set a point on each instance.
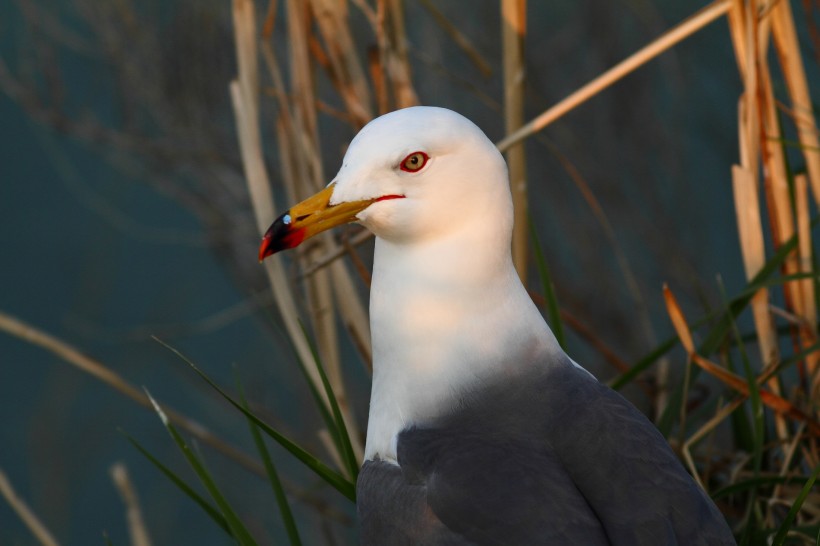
(124, 214)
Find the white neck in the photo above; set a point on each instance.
(442, 320)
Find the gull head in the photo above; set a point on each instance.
(410, 176)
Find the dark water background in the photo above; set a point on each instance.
(91, 252)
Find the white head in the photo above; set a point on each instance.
(447, 310)
(462, 179)
(456, 180)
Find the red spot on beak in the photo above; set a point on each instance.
(386, 197)
(308, 218)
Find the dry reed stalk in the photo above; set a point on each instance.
(19, 329)
(754, 120)
(286, 159)
(459, 38)
(788, 458)
(305, 136)
(327, 441)
(246, 112)
(331, 17)
(398, 61)
(376, 19)
(321, 309)
(270, 20)
(303, 144)
(398, 34)
(776, 403)
(342, 291)
(321, 287)
(586, 333)
(808, 328)
(670, 38)
(275, 72)
(661, 394)
(379, 82)
(137, 531)
(736, 18)
(350, 305)
(244, 94)
(777, 184)
(745, 180)
(301, 80)
(776, 19)
(335, 282)
(697, 436)
(377, 55)
(26, 514)
(775, 176)
(355, 319)
(352, 312)
(513, 32)
(299, 141)
(392, 50)
(791, 64)
(750, 231)
(335, 254)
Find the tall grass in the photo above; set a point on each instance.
(790, 448)
(769, 393)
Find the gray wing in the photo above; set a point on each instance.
(393, 512)
(456, 506)
(625, 467)
(548, 458)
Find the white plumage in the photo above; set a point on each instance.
(481, 430)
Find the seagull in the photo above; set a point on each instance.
(481, 429)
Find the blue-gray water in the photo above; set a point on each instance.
(91, 252)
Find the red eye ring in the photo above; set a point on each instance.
(414, 162)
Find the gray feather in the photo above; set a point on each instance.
(545, 457)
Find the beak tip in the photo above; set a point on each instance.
(306, 219)
(280, 236)
(267, 247)
(263, 249)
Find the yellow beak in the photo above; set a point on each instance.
(311, 216)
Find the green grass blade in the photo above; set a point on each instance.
(549, 289)
(273, 475)
(343, 438)
(780, 537)
(317, 398)
(238, 530)
(758, 431)
(723, 328)
(339, 482)
(759, 482)
(639, 367)
(764, 536)
(738, 304)
(754, 396)
(797, 357)
(330, 421)
(742, 430)
(335, 435)
(212, 512)
(664, 347)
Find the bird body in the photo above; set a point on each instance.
(481, 429)
(547, 456)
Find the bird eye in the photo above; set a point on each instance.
(414, 162)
